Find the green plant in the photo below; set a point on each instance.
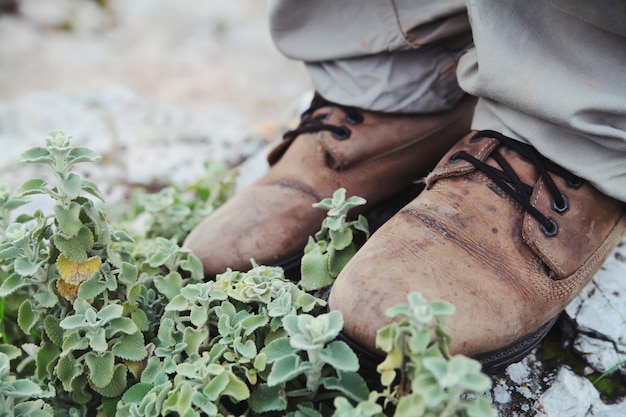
(333, 246)
(101, 320)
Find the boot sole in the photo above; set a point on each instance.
(491, 361)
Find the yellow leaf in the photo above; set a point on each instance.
(68, 291)
(74, 273)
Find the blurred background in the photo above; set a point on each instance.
(156, 86)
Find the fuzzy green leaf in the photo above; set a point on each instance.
(199, 315)
(45, 360)
(37, 155)
(278, 349)
(340, 239)
(100, 368)
(25, 267)
(117, 385)
(75, 247)
(351, 384)
(12, 284)
(68, 218)
(110, 312)
(314, 270)
(45, 296)
(8, 251)
(339, 355)
(286, 369)
(236, 388)
(53, 329)
(131, 347)
(123, 325)
(81, 394)
(74, 341)
(22, 388)
(141, 320)
(97, 339)
(92, 288)
(71, 184)
(12, 352)
(169, 285)
(27, 317)
(79, 154)
(32, 186)
(136, 393)
(194, 339)
(67, 369)
(338, 259)
(265, 398)
(91, 188)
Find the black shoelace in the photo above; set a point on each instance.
(313, 124)
(508, 180)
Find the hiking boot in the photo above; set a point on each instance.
(372, 155)
(505, 235)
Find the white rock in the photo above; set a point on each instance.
(569, 396)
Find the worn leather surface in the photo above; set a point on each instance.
(466, 241)
(272, 219)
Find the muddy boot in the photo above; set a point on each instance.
(372, 155)
(502, 233)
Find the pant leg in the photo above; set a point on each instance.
(391, 56)
(554, 80)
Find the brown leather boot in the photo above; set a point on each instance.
(505, 235)
(372, 155)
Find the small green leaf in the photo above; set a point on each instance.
(22, 388)
(80, 154)
(12, 352)
(97, 339)
(122, 324)
(12, 284)
(53, 330)
(27, 317)
(340, 239)
(314, 270)
(37, 155)
(339, 355)
(136, 393)
(131, 347)
(25, 267)
(350, 384)
(236, 388)
(92, 288)
(117, 385)
(67, 369)
(91, 188)
(75, 247)
(100, 368)
(68, 218)
(265, 398)
(479, 408)
(169, 285)
(278, 349)
(45, 360)
(32, 186)
(338, 259)
(199, 315)
(194, 339)
(141, 320)
(71, 184)
(286, 369)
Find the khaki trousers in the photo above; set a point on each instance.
(550, 73)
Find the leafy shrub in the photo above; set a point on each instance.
(120, 322)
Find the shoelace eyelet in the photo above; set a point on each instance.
(574, 182)
(456, 157)
(342, 133)
(354, 118)
(559, 208)
(476, 139)
(549, 232)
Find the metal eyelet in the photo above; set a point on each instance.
(342, 133)
(476, 139)
(551, 231)
(455, 158)
(559, 208)
(575, 182)
(354, 118)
